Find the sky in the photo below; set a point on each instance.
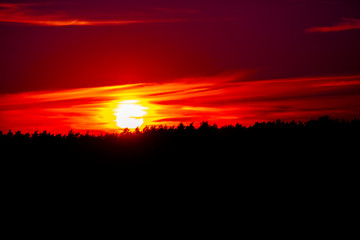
(71, 64)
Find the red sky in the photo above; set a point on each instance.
(67, 64)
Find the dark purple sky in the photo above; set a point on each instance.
(67, 44)
(65, 64)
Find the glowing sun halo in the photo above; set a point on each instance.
(129, 114)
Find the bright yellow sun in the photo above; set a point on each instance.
(129, 114)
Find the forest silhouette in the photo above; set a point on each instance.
(263, 163)
(184, 146)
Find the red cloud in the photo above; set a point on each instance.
(22, 13)
(220, 101)
(346, 24)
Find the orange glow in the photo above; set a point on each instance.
(219, 99)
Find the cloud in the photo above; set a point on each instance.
(344, 25)
(219, 99)
(25, 14)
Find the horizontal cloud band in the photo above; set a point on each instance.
(346, 24)
(218, 99)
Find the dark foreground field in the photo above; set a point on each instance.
(282, 177)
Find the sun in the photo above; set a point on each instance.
(129, 114)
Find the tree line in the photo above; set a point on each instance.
(274, 152)
(205, 129)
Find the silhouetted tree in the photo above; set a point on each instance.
(159, 146)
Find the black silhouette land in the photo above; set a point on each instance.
(268, 146)
(281, 171)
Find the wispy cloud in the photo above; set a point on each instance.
(344, 25)
(218, 99)
(22, 13)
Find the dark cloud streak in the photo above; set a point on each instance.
(25, 14)
(345, 25)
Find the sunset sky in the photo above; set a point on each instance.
(88, 65)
